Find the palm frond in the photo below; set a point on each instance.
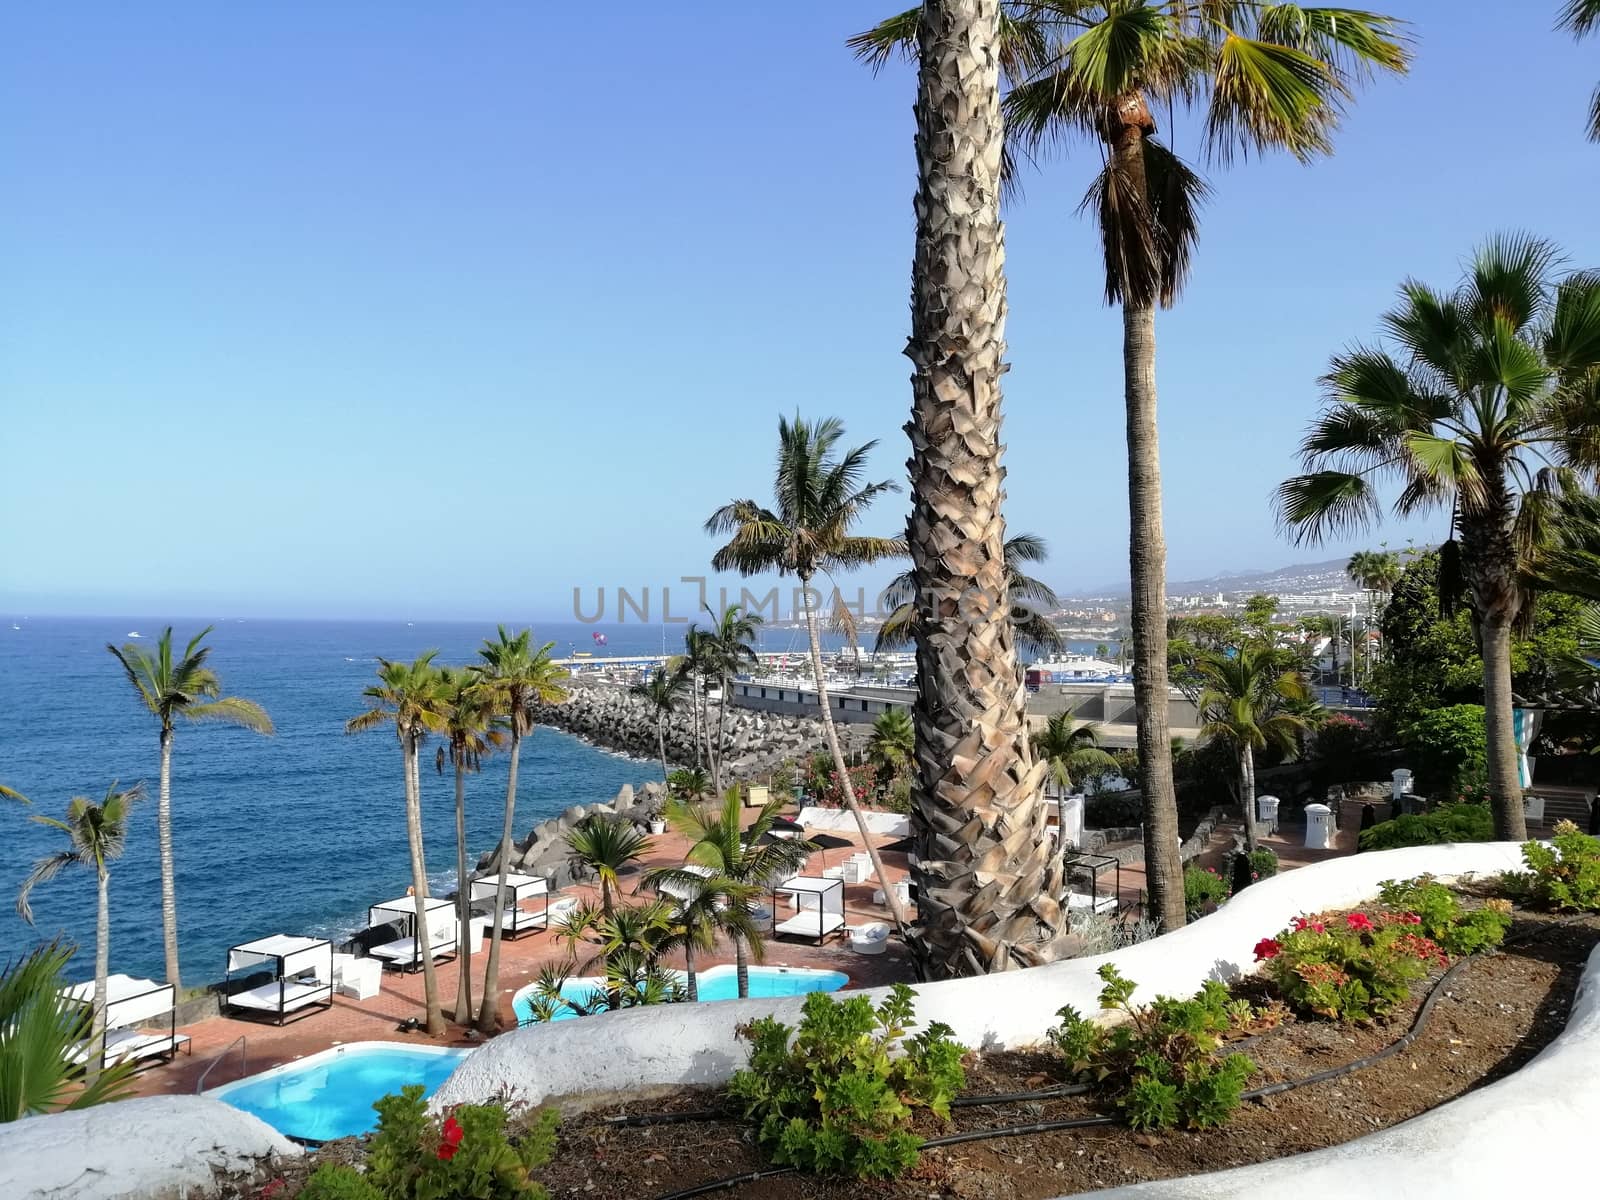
(232, 710)
(1323, 505)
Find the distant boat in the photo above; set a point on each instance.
(14, 625)
(136, 633)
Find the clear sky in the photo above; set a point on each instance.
(418, 309)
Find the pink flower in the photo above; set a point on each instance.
(1267, 948)
(1358, 922)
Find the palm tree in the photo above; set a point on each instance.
(1375, 572)
(743, 857)
(40, 1028)
(1582, 17)
(1485, 384)
(472, 730)
(729, 648)
(1071, 751)
(661, 691)
(172, 688)
(693, 667)
(1030, 600)
(96, 835)
(516, 677)
(628, 943)
(607, 846)
(1272, 76)
(410, 697)
(893, 745)
(818, 499)
(1250, 702)
(703, 908)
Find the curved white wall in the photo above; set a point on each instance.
(158, 1146)
(677, 1044)
(1530, 1129)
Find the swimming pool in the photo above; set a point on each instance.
(330, 1094)
(713, 983)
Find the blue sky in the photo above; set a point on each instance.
(410, 309)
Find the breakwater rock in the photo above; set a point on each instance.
(758, 743)
(544, 850)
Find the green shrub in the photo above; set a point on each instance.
(688, 783)
(466, 1156)
(1450, 823)
(835, 1102)
(1203, 888)
(1349, 967)
(1442, 918)
(1161, 1066)
(1449, 749)
(1264, 863)
(1564, 874)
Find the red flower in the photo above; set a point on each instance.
(450, 1139)
(1301, 924)
(1267, 948)
(1358, 921)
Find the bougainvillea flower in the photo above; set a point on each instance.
(1267, 948)
(450, 1139)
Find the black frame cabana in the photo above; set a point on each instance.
(131, 1003)
(290, 957)
(442, 947)
(518, 889)
(825, 890)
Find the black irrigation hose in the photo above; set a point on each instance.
(670, 1118)
(979, 1135)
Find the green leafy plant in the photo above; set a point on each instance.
(1449, 748)
(1203, 890)
(1457, 930)
(1161, 1066)
(1563, 875)
(688, 783)
(1449, 823)
(1348, 967)
(465, 1156)
(831, 1097)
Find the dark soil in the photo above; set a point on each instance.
(1496, 1013)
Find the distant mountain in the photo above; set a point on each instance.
(1328, 575)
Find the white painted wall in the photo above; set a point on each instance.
(678, 1044)
(157, 1146)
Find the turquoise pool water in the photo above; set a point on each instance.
(330, 1095)
(714, 983)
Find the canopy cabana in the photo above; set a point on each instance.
(301, 970)
(819, 907)
(515, 919)
(404, 952)
(141, 1020)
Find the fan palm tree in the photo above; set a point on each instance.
(818, 498)
(1581, 18)
(96, 836)
(1071, 751)
(1487, 405)
(1030, 600)
(40, 1027)
(729, 647)
(1271, 77)
(1251, 702)
(893, 745)
(661, 691)
(607, 846)
(473, 729)
(742, 857)
(516, 677)
(704, 907)
(175, 687)
(410, 698)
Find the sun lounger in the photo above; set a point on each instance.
(811, 924)
(402, 953)
(283, 995)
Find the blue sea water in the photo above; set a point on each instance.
(294, 833)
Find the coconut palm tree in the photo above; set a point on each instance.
(893, 745)
(410, 698)
(1070, 750)
(661, 691)
(1375, 572)
(1271, 77)
(1581, 18)
(607, 846)
(473, 729)
(96, 836)
(516, 677)
(704, 907)
(1251, 702)
(693, 668)
(175, 687)
(818, 498)
(40, 1028)
(1484, 404)
(729, 647)
(743, 857)
(1030, 600)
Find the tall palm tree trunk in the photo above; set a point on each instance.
(661, 742)
(489, 1011)
(1505, 781)
(463, 902)
(741, 965)
(989, 878)
(102, 971)
(694, 713)
(722, 730)
(1247, 794)
(1147, 576)
(691, 976)
(169, 892)
(434, 1018)
(846, 787)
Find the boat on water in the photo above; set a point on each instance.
(135, 633)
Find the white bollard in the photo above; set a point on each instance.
(1402, 783)
(1319, 827)
(1267, 812)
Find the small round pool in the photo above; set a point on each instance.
(713, 983)
(330, 1094)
